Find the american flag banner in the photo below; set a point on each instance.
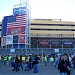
(16, 21)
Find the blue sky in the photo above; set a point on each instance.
(43, 9)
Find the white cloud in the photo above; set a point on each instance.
(60, 9)
(47, 9)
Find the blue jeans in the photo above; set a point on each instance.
(27, 66)
(74, 65)
(20, 65)
(30, 65)
(63, 73)
(35, 68)
(16, 67)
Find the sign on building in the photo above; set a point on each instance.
(9, 39)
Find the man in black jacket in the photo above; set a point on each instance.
(35, 64)
(16, 64)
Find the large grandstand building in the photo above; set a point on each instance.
(50, 36)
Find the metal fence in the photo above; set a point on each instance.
(38, 51)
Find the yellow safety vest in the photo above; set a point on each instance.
(27, 60)
(23, 58)
(45, 58)
(0, 57)
(10, 57)
(51, 59)
(5, 58)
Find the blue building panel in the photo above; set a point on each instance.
(4, 26)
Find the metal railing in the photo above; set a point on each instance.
(38, 51)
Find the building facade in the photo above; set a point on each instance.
(49, 36)
(15, 29)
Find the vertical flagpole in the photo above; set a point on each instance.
(20, 6)
(26, 1)
(20, 2)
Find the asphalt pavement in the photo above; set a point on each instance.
(42, 70)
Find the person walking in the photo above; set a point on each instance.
(73, 61)
(16, 64)
(35, 64)
(20, 62)
(64, 66)
(56, 62)
(30, 62)
(45, 60)
(27, 62)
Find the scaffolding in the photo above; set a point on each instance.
(24, 8)
(20, 9)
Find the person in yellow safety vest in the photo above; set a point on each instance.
(0, 58)
(5, 60)
(10, 57)
(18, 57)
(23, 58)
(45, 60)
(27, 62)
(27, 59)
(51, 60)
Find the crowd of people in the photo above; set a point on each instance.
(25, 63)
(64, 63)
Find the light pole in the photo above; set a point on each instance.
(42, 55)
(24, 1)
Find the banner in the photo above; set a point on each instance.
(9, 39)
(19, 11)
(16, 30)
(15, 39)
(12, 50)
(56, 50)
(21, 38)
(4, 41)
(43, 43)
(1, 41)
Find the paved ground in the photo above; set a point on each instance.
(43, 70)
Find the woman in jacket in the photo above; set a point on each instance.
(64, 65)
